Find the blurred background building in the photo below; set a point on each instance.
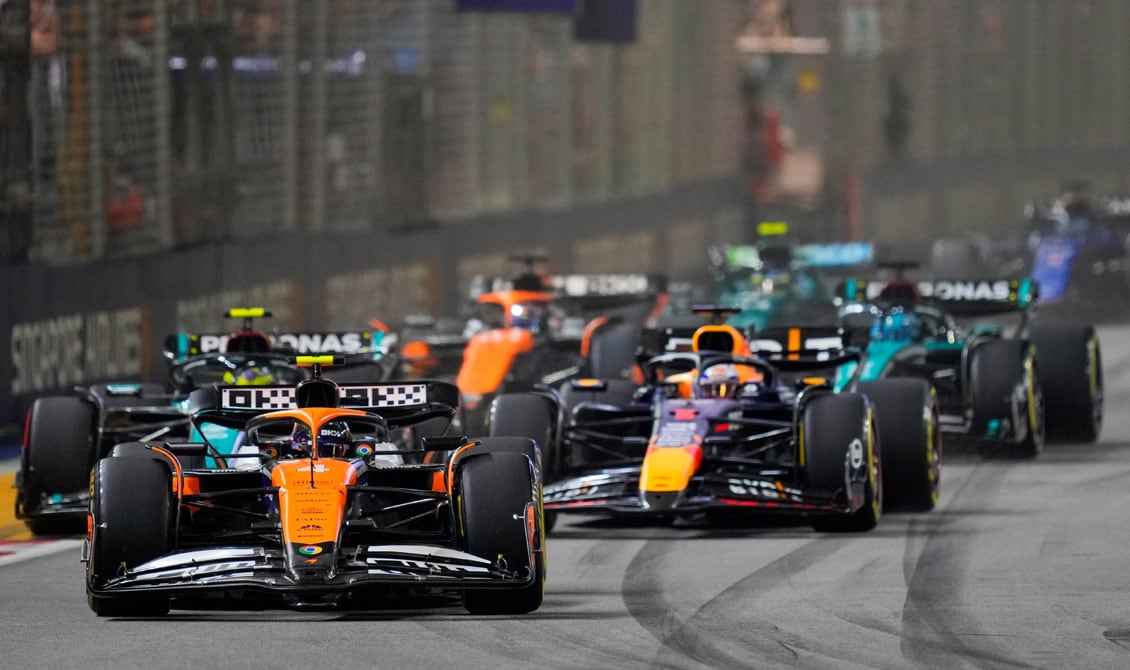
(348, 159)
(156, 124)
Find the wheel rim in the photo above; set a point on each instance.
(1094, 374)
(933, 449)
(1035, 399)
(876, 469)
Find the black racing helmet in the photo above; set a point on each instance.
(334, 440)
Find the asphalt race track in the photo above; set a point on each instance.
(1024, 565)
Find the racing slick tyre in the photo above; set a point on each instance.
(132, 512)
(906, 414)
(533, 416)
(612, 349)
(1004, 384)
(618, 392)
(839, 433)
(1071, 372)
(141, 450)
(57, 458)
(496, 491)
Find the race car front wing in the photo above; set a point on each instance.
(617, 491)
(262, 569)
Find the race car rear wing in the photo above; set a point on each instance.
(830, 255)
(400, 403)
(593, 287)
(958, 297)
(379, 396)
(806, 348)
(371, 344)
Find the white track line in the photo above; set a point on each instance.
(17, 551)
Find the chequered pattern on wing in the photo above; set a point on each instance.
(272, 398)
(258, 398)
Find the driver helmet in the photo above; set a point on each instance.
(719, 381)
(300, 441)
(252, 375)
(334, 440)
(897, 325)
(531, 316)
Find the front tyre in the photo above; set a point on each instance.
(132, 512)
(839, 448)
(500, 518)
(1005, 391)
(58, 456)
(906, 411)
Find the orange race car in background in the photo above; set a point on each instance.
(542, 330)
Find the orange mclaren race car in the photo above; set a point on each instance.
(329, 499)
(532, 331)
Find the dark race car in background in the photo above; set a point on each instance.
(66, 434)
(1007, 386)
(1074, 247)
(777, 281)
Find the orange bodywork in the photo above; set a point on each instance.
(489, 354)
(312, 492)
(312, 513)
(488, 357)
(590, 331)
(669, 468)
(507, 300)
(711, 336)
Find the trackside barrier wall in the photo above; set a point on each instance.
(76, 324)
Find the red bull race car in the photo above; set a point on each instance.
(716, 430)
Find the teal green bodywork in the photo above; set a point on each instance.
(774, 298)
(222, 438)
(879, 354)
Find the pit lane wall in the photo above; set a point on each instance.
(105, 321)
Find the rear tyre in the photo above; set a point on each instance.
(532, 416)
(497, 491)
(839, 437)
(1070, 365)
(612, 352)
(132, 513)
(1003, 384)
(58, 456)
(906, 414)
(617, 392)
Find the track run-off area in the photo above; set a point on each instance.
(1024, 564)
